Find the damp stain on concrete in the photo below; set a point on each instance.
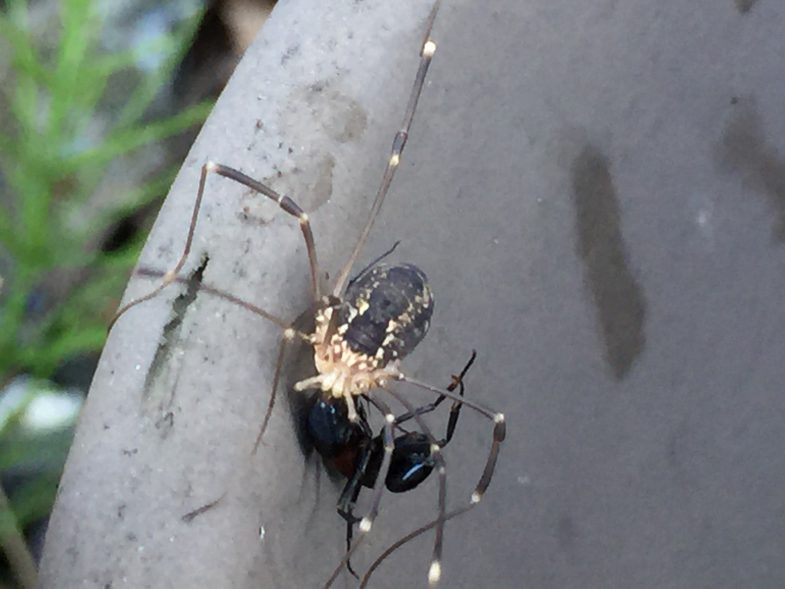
(744, 6)
(618, 299)
(744, 150)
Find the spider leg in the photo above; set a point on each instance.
(348, 499)
(399, 142)
(434, 572)
(367, 521)
(286, 203)
(410, 536)
(499, 433)
(288, 336)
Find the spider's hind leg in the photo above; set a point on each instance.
(284, 202)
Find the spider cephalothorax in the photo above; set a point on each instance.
(359, 342)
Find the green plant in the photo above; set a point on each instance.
(57, 284)
(51, 165)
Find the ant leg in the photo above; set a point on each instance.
(371, 264)
(399, 142)
(378, 488)
(286, 203)
(455, 410)
(457, 381)
(348, 500)
(351, 490)
(499, 433)
(351, 519)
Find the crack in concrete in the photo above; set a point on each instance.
(171, 332)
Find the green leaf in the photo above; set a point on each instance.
(178, 45)
(126, 141)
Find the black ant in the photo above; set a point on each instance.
(363, 329)
(351, 449)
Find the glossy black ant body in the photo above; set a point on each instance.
(350, 447)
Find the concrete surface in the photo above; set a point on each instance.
(597, 193)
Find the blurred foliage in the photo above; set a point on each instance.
(51, 163)
(53, 156)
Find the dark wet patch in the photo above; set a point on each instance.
(323, 187)
(341, 117)
(744, 6)
(619, 300)
(306, 173)
(743, 150)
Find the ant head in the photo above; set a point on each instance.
(331, 431)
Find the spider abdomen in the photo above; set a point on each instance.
(387, 311)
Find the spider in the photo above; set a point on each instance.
(363, 329)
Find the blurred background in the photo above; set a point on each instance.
(99, 103)
(633, 151)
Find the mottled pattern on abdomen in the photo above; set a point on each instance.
(387, 311)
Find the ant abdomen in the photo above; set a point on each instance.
(410, 465)
(387, 311)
